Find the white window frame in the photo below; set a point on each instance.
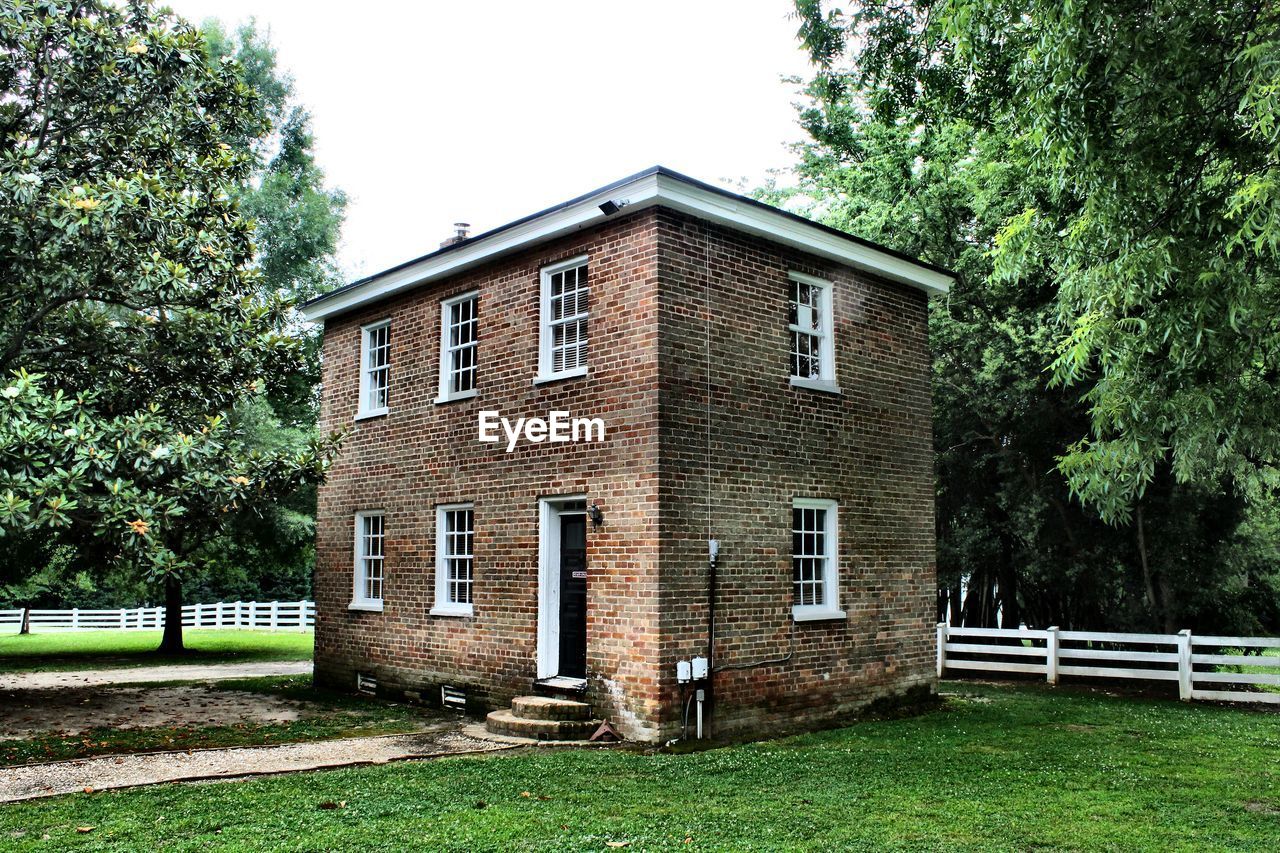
(443, 606)
(448, 352)
(360, 601)
(830, 606)
(826, 380)
(545, 336)
(363, 409)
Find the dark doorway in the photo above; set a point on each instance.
(573, 596)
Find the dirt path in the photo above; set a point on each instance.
(143, 674)
(123, 771)
(73, 710)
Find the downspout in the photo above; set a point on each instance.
(713, 546)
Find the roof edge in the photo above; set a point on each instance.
(655, 186)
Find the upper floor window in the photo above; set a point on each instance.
(375, 369)
(455, 554)
(563, 338)
(370, 551)
(459, 336)
(814, 571)
(810, 321)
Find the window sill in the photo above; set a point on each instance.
(828, 386)
(556, 377)
(379, 413)
(453, 398)
(366, 606)
(463, 610)
(808, 614)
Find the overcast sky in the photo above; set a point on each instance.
(429, 113)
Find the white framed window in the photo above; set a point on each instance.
(564, 307)
(459, 346)
(375, 369)
(810, 321)
(815, 572)
(455, 558)
(370, 530)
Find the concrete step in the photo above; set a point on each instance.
(549, 708)
(507, 723)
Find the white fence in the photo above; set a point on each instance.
(1203, 667)
(269, 615)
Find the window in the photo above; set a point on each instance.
(455, 554)
(563, 339)
(813, 357)
(459, 327)
(375, 369)
(370, 550)
(814, 573)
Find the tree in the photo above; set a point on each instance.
(1155, 131)
(134, 319)
(907, 149)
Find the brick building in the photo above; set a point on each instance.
(760, 380)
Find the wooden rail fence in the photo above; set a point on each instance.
(268, 615)
(1215, 668)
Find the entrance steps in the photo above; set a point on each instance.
(543, 718)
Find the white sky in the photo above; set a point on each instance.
(430, 113)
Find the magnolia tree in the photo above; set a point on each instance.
(131, 321)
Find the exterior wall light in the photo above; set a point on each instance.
(597, 517)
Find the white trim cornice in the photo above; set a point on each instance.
(656, 187)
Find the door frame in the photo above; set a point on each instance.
(550, 509)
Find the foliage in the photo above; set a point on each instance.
(1010, 768)
(135, 319)
(910, 149)
(1151, 132)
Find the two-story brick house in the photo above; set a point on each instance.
(761, 381)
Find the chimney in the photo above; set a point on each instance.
(459, 235)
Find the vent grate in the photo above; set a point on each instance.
(366, 683)
(453, 697)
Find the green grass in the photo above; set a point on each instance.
(329, 715)
(1007, 768)
(108, 649)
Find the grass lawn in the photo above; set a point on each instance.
(106, 649)
(326, 715)
(1000, 767)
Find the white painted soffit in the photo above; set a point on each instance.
(645, 190)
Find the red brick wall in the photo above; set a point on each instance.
(870, 448)
(423, 454)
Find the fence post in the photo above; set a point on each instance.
(1184, 664)
(275, 614)
(302, 615)
(237, 615)
(198, 617)
(942, 647)
(1051, 656)
(75, 617)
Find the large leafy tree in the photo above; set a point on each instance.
(134, 321)
(914, 148)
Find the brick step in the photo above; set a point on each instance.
(549, 708)
(507, 723)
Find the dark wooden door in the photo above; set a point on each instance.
(573, 596)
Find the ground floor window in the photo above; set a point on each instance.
(814, 562)
(455, 556)
(370, 553)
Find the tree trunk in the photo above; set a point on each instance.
(1157, 612)
(171, 642)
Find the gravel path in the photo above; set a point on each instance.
(144, 674)
(123, 771)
